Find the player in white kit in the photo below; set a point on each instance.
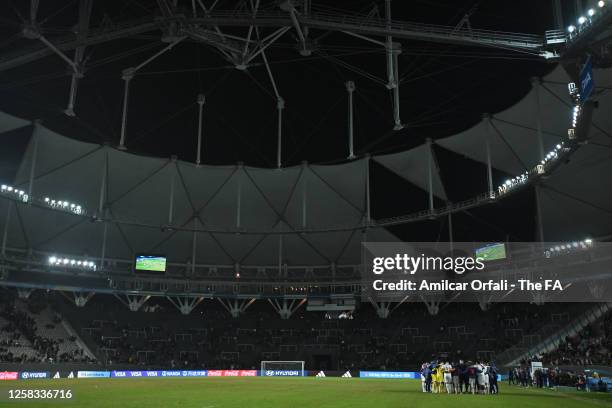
(448, 377)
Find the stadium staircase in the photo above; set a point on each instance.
(48, 327)
(550, 336)
(20, 347)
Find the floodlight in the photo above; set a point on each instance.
(52, 260)
(582, 20)
(601, 3)
(571, 29)
(591, 12)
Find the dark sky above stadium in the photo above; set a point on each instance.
(444, 89)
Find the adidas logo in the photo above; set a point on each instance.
(71, 375)
(56, 375)
(320, 374)
(347, 375)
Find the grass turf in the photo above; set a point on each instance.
(263, 392)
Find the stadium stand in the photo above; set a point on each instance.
(591, 346)
(32, 332)
(209, 338)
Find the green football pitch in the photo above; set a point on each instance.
(263, 392)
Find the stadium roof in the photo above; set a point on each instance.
(309, 214)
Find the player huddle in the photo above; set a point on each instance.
(443, 377)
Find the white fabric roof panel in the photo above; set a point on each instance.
(9, 122)
(585, 178)
(310, 196)
(413, 166)
(513, 137)
(138, 190)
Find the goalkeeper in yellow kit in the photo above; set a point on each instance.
(438, 379)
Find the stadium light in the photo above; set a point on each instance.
(549, 157)
(64, 205)
(601, 3)
(591, 12)
(14, 192)
(72, 263)
(571, 29)
(569, 248)
(582, 20)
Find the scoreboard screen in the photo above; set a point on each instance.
(150, 263)
(492, 252)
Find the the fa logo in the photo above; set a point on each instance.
(550, 284)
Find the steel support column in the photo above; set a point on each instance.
(201, 102)
(451, 238)
(239, 196)
(350, 88)
(34, 158)
(103, 251)
(487, 136)
(102, 195)
(280, 105)
(396, 96)
(85, 7)
(194, 246)
(127, 76)
(304, 195)
(171, 195)
(430, 164)
(538, 196)
(7, 221)
(536, 83)
(368, 218)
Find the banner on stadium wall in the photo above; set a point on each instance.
(282, 373)
(194, 373)
(157, 373)
(32, 375)
(333, 373)
(171, 373)
(232, 373)
(62, 374)
(586, 79)
(8, 375)
(93, 374)
(390, 374)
